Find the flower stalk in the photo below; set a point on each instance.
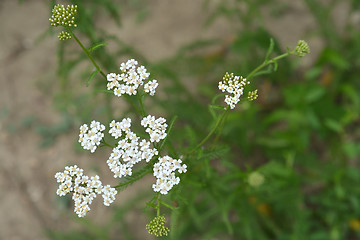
(87, 53)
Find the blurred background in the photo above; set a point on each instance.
(302, 135)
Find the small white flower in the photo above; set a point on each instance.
(234, 85)
(129, 151)
(155, 127)
(91, 138)
(150, 87)
(164, 171)
(131, 78)
(84, 189)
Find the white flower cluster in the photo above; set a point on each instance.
(129, 151)
(84, 189)
(91, 138)
(156, 129)
(234, 85)
(131, 78)
(116, 128)
(164, 171)
(150, 87)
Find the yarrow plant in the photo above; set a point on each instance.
(132, 156)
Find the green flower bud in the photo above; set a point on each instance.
(228, 77)
(62, 16)
(301, 49)
(252, 95)
(157, 227)
(255, 179)
(64, 35)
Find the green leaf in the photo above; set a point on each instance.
(272, 143)
(220, 151)
(351, 149)
(92, 75)
(137, 175)
(212, 108)
(335, 58)
(104, 90)
(314, 94)
(333, 125)
(270, 49)
(275, 66)
(171, 125)
(167, 205)
(96, 46)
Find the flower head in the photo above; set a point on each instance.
(64, 35)
(129, 150)
(62, 16)
(155, 127)
(234, 85)
(84, 189)
(130, 79)
(91, 137)
(252, 95)
(157, 227)
(164, 171)
(255, 179)
(301, 49)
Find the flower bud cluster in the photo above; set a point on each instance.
(64, 35)
(234, 85)
(256, 179)
(157, 227)
(301, 49)
(164, 171)
(84, 189)
(156, 127)
(62, 16)
(252, 95)
(129, 151)
(131, 78)
(91, 138)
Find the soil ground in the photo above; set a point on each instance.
(27, 186)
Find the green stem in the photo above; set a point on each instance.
(128, 98)
(133, 179)
(267, 62)
(106, 144)
(221, 118)
(220, 129)
(158, 206)
(141, 103)
(87, 53)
